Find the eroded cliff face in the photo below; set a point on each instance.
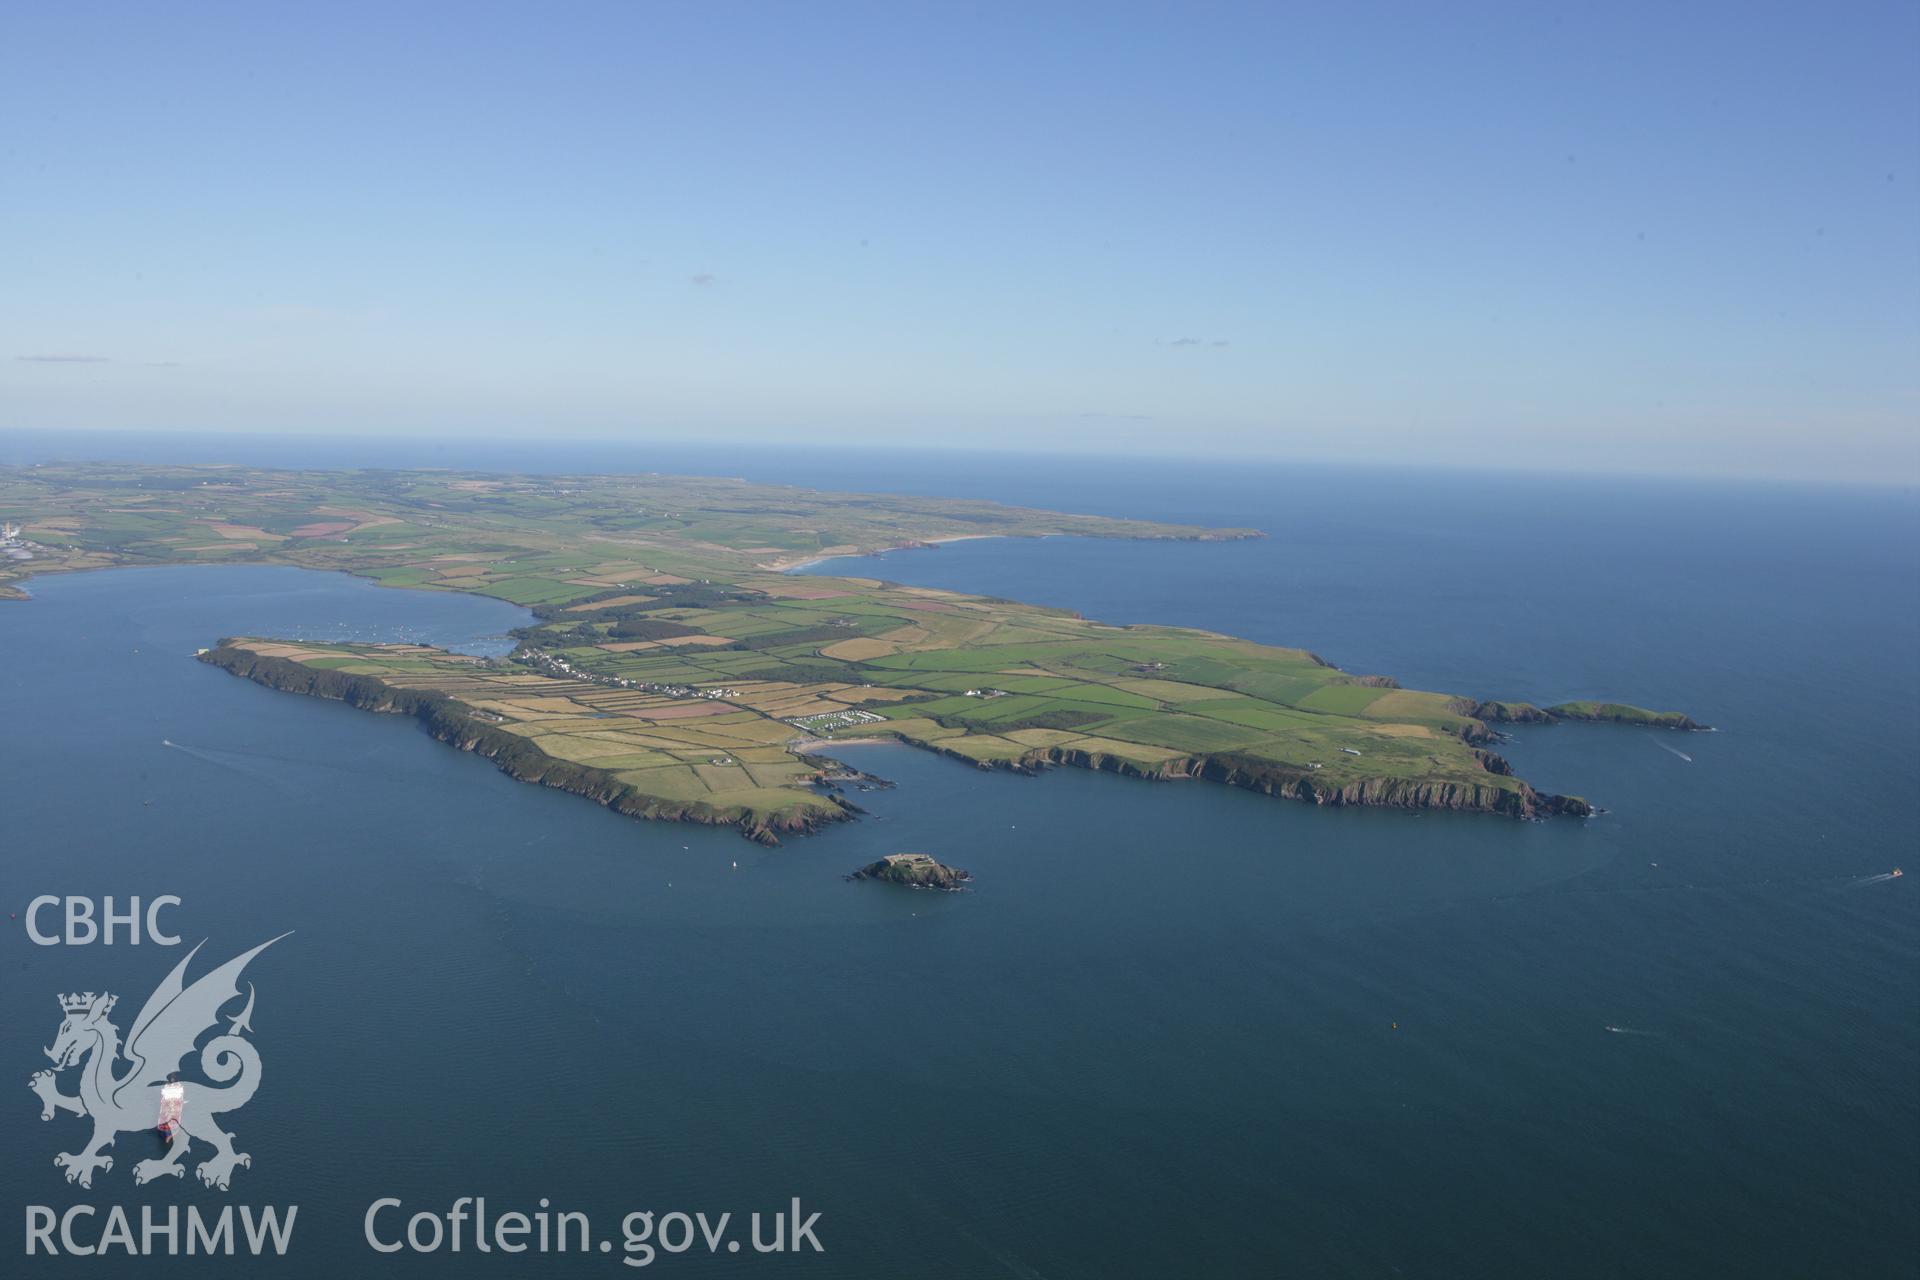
(1493, 762)
(1516, 799)
(1507, 713)
(453, 723)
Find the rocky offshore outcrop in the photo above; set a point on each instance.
(450, 721)
(915, 870)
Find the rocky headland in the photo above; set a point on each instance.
(1591, 712)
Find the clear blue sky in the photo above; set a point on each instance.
(1648, 237)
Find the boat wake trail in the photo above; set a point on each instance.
(1675, 750)
(1882, 878)
(1629, 1031)
(197, 753)
(233, 760)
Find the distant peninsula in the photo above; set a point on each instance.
(673, 671)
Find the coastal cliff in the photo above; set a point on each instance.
(1514, 799)
(1592, 712)
(454, 723)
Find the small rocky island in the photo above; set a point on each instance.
(915, 870)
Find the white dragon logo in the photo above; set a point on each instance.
(174, 1017)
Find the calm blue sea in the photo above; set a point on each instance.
(1175, 1030)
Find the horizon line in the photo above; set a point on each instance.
(1118, 453)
